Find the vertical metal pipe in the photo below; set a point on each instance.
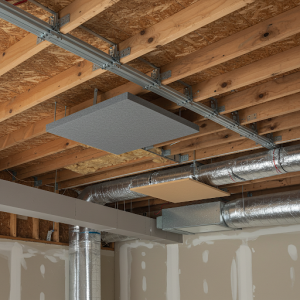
(85, 264)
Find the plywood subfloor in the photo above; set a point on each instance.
(182, 190)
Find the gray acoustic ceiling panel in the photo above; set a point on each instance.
(121, 124)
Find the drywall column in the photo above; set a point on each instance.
(85, 264)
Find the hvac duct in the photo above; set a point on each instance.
(261, 165)
(266, 210)
(85, 263)
(85, 245)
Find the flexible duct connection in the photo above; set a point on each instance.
(267, 210)
(261, 165)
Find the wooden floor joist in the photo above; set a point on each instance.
(270, 90)
(61, 162)
(80, 11)
(41, 151)
(254, 86)
(189, 19)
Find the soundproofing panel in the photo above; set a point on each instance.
(122, 124)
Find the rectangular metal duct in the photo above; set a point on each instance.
(193, 219)
(121, 124)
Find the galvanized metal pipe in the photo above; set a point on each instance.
(84, 263)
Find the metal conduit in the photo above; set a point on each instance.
(267, 210)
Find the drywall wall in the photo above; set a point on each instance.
(256, 264)
(41, 271)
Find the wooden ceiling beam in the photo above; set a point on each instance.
(38, 152)
(65, 174)
(80, 11)
(113, 174)
(243, 42)
(202, 154)
(295, 180)
(238, 45)
(276, 115)
(187, 20)
(61, 162)
(243, 145)
(252, 97)
(214, 139)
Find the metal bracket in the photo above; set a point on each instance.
(214, 105)
(37, 182)
(235, 117)
(254, 127)
(39, 40)
(274, 139)
(155, 74)
(55, 23)
(125, 52)
(14, 175)
(166, 152)
(166, 75)
(188, 91)
(251, 117)
(148, 148)
(249, 194)
(96, 67)
(183, 158)
(95, 96)
(64, 20)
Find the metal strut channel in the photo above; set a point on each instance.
(45, 31)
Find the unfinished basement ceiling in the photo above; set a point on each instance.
(53, 75)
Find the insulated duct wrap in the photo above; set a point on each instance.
(256, 166)
(119, 189)
(266, 210)
(172, 174)
(84, 264)
(115, 190)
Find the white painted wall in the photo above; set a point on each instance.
(256, 264)
(36, 271)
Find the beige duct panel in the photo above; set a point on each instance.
(182, 190)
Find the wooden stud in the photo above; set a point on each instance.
(13, 225)
(35, 228)
(55, 234)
